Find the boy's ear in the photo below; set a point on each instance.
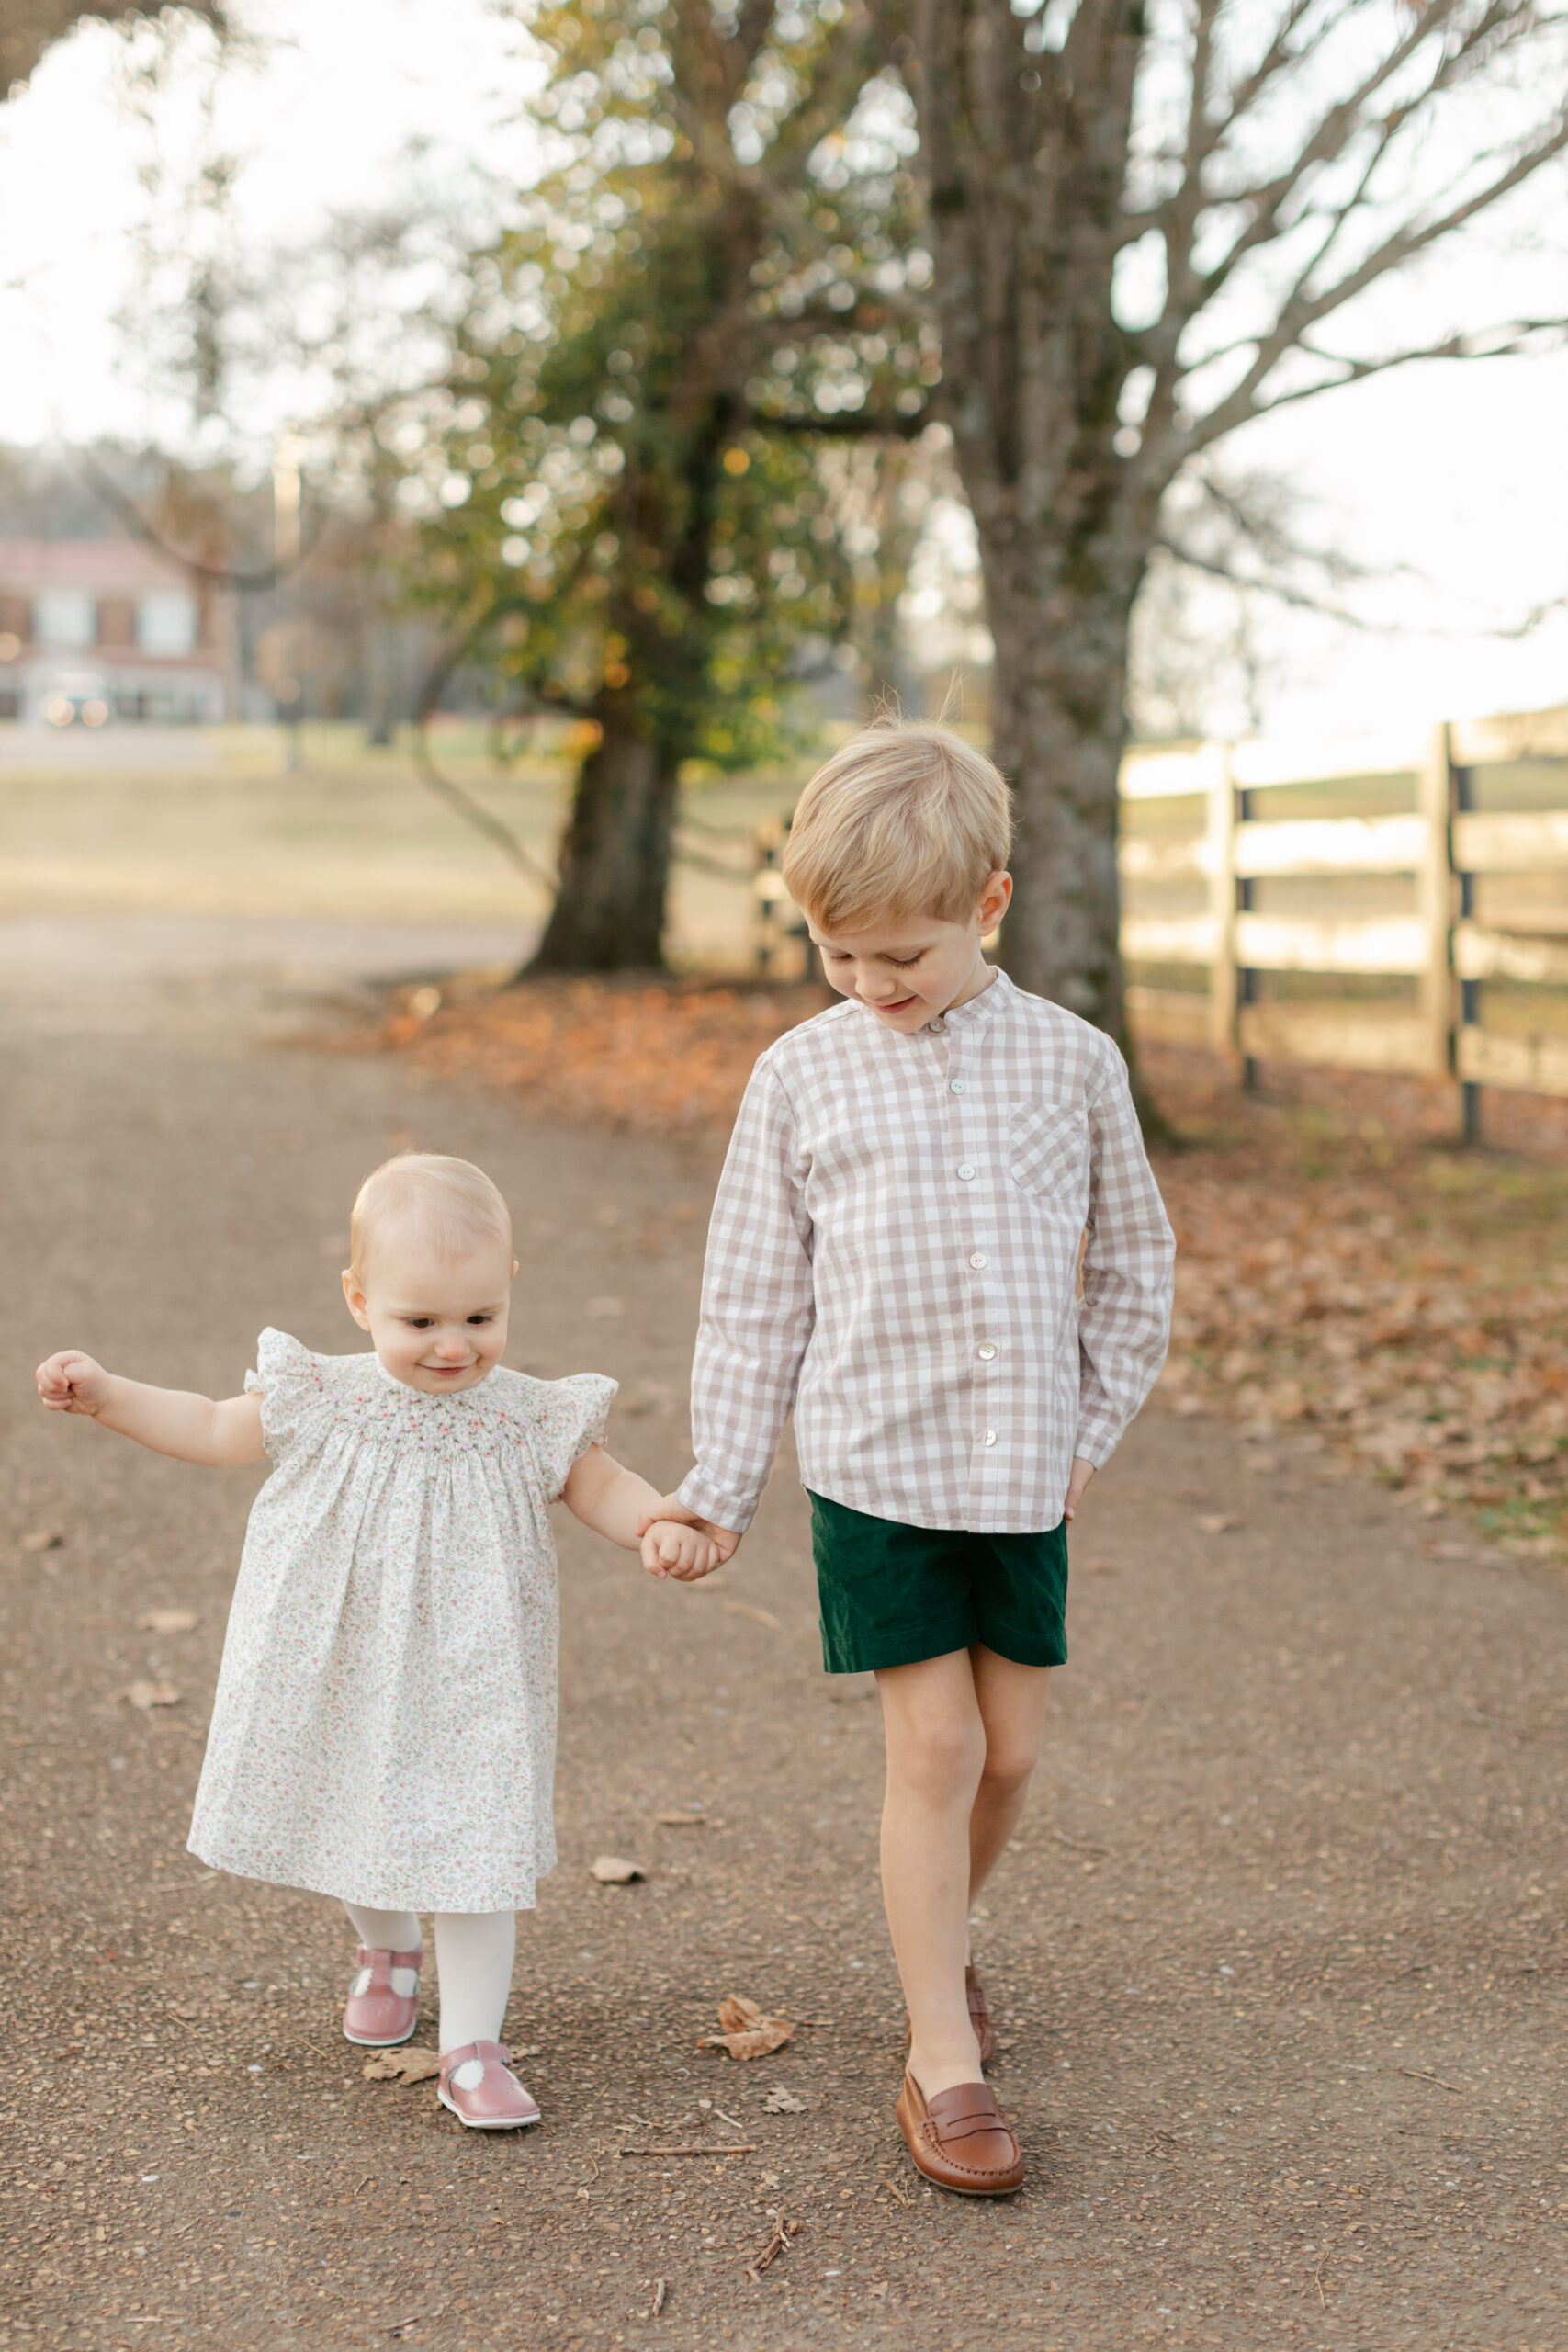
(995, 900)
(356, 1299)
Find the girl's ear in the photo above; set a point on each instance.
(356, 1299)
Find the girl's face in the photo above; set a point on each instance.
(437, 1322)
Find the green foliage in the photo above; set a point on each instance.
(637, 515)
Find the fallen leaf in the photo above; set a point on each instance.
(682, 1820)
(1217, 1522)
(153, 1695)
(746, 2032)
(610, 1870)
(403, 2066)
(42, 1539)
(166, 1621)
(782, 2102)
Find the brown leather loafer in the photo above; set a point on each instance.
(979, 2018)
(959, 2139)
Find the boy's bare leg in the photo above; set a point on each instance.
(1012, 1699)
(936, 1756)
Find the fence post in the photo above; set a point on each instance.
(1469, 989)
(1435, 900)
(1219, 850)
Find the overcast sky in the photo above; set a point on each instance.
(1459, 472)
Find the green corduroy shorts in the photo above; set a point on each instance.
(892, 1595)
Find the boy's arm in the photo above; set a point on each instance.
(166, 1421)
(1124, 1315)
(757, 1312)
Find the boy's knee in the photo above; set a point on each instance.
(941, 1755)
(1007, 1772)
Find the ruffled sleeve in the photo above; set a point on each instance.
(289, 1381)
(568, 1417)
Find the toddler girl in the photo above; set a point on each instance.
(385, 1725)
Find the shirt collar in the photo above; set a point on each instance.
(979, 1010)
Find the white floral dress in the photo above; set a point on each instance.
(385, 1724)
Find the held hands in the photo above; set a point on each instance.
(73, 1383)
(668, 1523)
(672, 1549)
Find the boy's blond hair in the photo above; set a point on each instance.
(450, 1203)
(906, 819)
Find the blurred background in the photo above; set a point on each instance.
(411, 419)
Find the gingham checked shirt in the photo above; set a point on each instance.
(895, 1251)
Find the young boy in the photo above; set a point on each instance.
(918, 1182)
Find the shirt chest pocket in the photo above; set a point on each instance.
(1048, 1155)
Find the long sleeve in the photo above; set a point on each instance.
(757, 1310)
(1128, 1272)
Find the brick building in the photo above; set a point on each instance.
(99, 628)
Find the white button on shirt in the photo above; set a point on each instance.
(839, 1245)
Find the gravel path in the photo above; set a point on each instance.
(1280, 1958)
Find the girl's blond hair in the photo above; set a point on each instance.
(450, 1203)
(906, 819)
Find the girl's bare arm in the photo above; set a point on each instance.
(166, 1421)
(616, 1503)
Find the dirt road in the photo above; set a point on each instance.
(1280, 1958)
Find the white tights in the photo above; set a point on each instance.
(474, 1952)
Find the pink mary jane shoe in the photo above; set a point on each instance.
(477, 2085)
(383, 2000)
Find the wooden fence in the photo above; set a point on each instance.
(1394, 903)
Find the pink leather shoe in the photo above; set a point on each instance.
(383, 2000)
(477, 2085)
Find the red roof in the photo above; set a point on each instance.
(108, 567)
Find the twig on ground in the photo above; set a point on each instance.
(401, 2328)
(695, 2148)
(721, 2117)
(661, 2289)
(1424, 2074)
(778, 2243)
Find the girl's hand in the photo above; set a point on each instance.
(724, 1539)
(73, 1383)
(671, 1550)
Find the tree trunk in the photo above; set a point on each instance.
(615, 866)
(1058, 700)
(1024, 157)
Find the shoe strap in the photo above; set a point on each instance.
(485, 2051)
(968, 2108)
(381, 1965)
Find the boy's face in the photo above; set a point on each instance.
(913, 967)
(437, 1322)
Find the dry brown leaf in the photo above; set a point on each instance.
(782, 2102)
(746, 2032)
(611, 1870)
(42, 1539)
(682, 1820)
(153, 1695)
(166, 1621)
(403, 2066)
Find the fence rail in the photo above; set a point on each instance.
(1224, 871)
